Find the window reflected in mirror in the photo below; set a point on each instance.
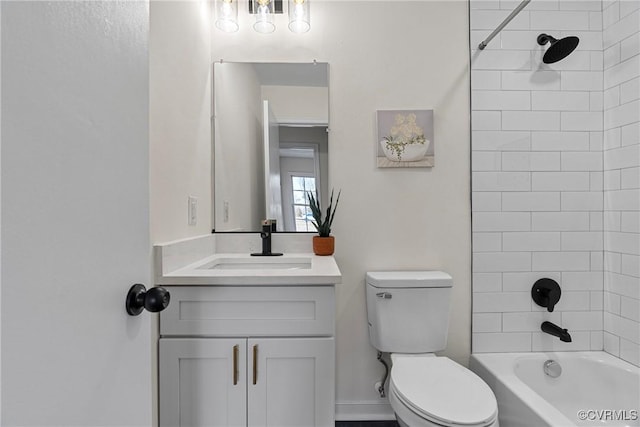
(301, 186)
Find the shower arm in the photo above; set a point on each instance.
(504, 23)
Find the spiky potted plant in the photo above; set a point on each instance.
(323, 243)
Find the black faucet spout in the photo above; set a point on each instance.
(265, 235)
(556, 331)
(266, 241)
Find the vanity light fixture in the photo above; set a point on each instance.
(265, 11)
(227, 15)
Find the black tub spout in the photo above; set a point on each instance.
(556, 331)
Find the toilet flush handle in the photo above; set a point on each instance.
(385, 295)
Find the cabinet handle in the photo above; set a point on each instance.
(255, 364)
(236, 349)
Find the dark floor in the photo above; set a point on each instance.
(391, 423)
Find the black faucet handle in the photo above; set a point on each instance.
(546, 293)
(553, 296)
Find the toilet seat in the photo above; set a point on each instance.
(442, 391)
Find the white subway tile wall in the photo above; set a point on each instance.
(556, 176)
(621, 121)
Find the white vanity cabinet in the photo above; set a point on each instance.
(197, 384)
(247, 356)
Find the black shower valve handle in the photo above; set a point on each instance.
(546, 293)
(553, 296)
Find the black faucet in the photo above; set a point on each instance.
(265, 234)
(556, 331)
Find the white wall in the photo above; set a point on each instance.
(239, 151)
(380, 58)
(537, 176)
(0, 216)
(298, 104)
(621, 21)
(180, 111)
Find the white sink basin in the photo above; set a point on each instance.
(259, 263)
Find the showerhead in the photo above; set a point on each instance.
(559, 49)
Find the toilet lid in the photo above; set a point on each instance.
(439, 389)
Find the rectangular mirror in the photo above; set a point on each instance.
(270, 130)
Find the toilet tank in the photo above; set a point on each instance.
(408, 311)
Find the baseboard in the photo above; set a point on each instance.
(363, 410)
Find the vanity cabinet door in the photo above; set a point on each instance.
(203, 382)
(291, 382)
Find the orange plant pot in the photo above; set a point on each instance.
(323, 245)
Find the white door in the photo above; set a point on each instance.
(203, 382)
(271, 138)
(291, 382)
(74, 213)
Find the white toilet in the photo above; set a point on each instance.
(408, 314)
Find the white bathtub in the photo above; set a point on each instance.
(604, 387)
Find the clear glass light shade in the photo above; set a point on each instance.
(263, 10)
(299, 17)
(227, 15)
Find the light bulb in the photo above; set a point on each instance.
(227, 15)
(299, 16)
(263, 11)
(226, 10)
(264, 18)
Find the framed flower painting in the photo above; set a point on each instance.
(405, 139)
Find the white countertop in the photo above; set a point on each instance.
(322, 270)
